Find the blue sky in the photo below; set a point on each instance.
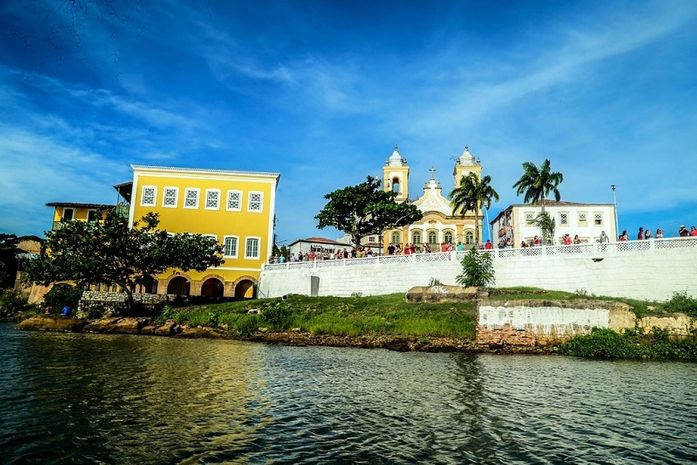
(321, 91)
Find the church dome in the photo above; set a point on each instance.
(466, 158)
(396, 158)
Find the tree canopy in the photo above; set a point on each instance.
(365, 209)
(536, 184)
(470, 195)
(109, 252)
(8, 259)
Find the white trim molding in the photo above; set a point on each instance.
(246, 248)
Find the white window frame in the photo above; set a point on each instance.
(142, 196)
(217, 206)
(96, 218)
(176, 196)
(249, 201)
(227, 200)
(601, 218)
(529, 218)
(186, 195)
(582, 218)
(212, 236)
(562, 224)
(63, 213)
(246, 248)
(237, 246)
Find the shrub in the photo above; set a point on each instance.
(277, 315)
(63, 294)
(13, 302)
(477, 270)
(682, 303)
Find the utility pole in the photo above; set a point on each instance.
(614, 202)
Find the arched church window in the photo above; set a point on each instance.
(448, 237)
(416, 237)
(395, 237)
(432, 237)
(469, 237)
(395, 185)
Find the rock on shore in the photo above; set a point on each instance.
(145, 326)
(52, 323)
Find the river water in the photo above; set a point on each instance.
(77, 398)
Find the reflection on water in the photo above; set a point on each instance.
(128, 399)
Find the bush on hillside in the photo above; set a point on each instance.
(477, 270)
(63, 294)
(682, 303)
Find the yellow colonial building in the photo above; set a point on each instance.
(68, 211)
(439, 225)
(235, 207)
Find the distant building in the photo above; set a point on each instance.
(371, 242)
(440, 224)
(317, 245)
(69, 211)
(516, 223)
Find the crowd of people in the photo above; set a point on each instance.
(644, 234)
(409, 249)
(360, 252)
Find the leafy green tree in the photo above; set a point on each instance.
(110, 252)
(537, 183)
(365, 209)
(8, 259)
(477, 269)
(470, 195)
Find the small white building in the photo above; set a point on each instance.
(317, 244)
(516, 223)
(371, 242)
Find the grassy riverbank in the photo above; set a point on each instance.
(337, 316)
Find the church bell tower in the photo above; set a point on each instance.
(395, 175)
(466, 164)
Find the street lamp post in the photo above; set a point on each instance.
(614, 202)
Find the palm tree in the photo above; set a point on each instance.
(470, 195)
(537, 183)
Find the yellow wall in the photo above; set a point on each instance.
(80, 213)
(219, 222)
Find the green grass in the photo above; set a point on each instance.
(340, 316)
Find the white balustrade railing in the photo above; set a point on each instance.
(593, 250)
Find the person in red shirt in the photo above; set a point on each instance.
(488, 245)
(536, 241)
(693, 231)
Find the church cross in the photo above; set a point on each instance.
(433, 173)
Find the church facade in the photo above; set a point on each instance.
(439, 225)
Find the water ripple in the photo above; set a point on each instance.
(124, 399)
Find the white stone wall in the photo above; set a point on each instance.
(651, 270)
(543, 320)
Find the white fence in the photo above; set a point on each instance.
(594, 250)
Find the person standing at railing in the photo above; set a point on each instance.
(683, 232)
(647, 234)
(693, 231)
(624, 236)
(604, 239)
(659, 233)
(577, 240)
(640, 234)
(488, 245)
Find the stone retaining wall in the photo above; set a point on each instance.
(540, 322)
